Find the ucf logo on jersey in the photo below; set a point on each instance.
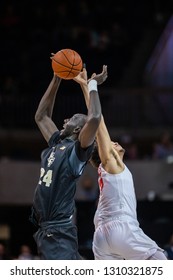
(51, 159)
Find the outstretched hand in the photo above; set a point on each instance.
(81, 78)
(52, 55)
(100, 78)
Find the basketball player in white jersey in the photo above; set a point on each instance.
(117, 234)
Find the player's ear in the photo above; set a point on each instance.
(77, 130)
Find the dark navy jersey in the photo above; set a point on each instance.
(61, 164)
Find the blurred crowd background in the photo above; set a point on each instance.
(135, 39)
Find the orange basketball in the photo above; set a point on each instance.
(67, 64)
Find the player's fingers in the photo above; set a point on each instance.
(52, 55)
(84, 70)
(104, 68)
(93, 75)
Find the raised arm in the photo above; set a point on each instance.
(88, 132)
(108, 156)
(102, 136)
(43, 116)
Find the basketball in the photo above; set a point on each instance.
(67, 64)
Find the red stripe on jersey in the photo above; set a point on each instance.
(100, 183)
(100, 180)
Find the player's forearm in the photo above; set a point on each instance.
(94, 106)
(86, 94)
(87, 99)
(46, 104)
(102, 132)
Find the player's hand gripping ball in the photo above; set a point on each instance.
(67, 64)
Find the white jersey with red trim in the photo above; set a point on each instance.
(117, 233)
(117, 197)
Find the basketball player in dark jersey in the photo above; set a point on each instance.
(62, 163)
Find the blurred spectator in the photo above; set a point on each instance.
(164, 148)
(25, 253)
(87, 191)
(168, 194)
(169, 249)
(3, 252)
(130, 147)
(9, 88)
(10, 17)
(152, 196)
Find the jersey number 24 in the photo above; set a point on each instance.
(45, 177)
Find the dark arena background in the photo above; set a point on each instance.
(135, 40)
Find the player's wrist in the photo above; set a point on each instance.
(92, 85)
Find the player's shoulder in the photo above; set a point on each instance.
(54, 139)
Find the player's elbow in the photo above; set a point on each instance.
(95, 119)
(38, 117)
